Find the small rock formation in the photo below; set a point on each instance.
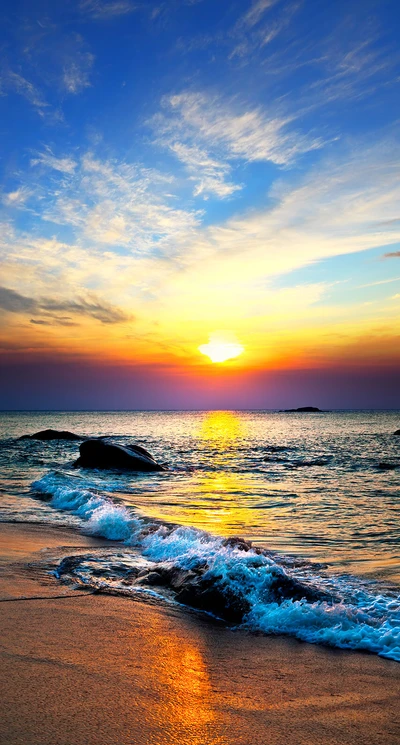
(397, 433)
(51, 434)
(303, 409)
(100, 454)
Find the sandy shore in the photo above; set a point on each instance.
(100, 670)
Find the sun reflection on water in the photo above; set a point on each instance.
(222, 426)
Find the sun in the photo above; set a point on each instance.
(220, 349)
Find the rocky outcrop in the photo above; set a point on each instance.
(201, 586)
(102, 454)
(397, 433)
(303, 410)
(52, 434)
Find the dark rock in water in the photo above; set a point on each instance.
(214, 595)
(236, 542)
(387, 466)
(397, 433)
(52, 434)
(303, 409)
(219, 600)
(101, 454)
(285, 587)
(139, 449)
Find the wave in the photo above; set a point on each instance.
(100, 515)
(229, 578)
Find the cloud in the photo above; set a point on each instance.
(76, 72)
(209, 174)
(114, 203)
(17, 198)
(248, 134)
(48, 159)
(13, 302)
(91, 307)
(337, 209)
(392, 255)
(256, 12)
(133, 246)
(56, 321)
(101, 10)
(13, 81)
(250, 34)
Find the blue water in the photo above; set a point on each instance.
(308, 490)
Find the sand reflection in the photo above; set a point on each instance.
(183, 699)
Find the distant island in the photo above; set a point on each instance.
(302, 409)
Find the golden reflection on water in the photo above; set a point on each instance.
(227, 494)
(217, 497)
(222, 426)
(220, 500)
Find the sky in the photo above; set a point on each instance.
(192, 171)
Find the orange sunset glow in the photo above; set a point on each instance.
(158, 237)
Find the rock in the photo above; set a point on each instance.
(221, 601)
(237, 542)
(303, 410)
(100, 454)
(139, 449)
(397, 433)
(51, 434)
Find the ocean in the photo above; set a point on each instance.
(314, 496)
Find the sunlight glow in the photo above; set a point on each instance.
(220, 349)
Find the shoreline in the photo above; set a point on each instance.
(102, 670)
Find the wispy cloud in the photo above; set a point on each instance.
(114, 203)
(256, 12)
(102, 10)
(252, 31)
(76, 72)
(13, 81)
(90, 306)
(338, 209)
(194, 122)
(17, 198)
(13, 302)
(211, 176)
(49, 160)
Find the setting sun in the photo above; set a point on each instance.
(220, 349)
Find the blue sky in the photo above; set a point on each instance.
(175, 169)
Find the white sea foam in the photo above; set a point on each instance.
(101, 516)
(354, 618)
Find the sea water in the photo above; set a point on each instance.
(317, 494)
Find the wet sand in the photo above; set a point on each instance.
(101, 670)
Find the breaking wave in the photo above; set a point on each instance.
(242, 585)
(100, 515)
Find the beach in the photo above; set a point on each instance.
(81, 668)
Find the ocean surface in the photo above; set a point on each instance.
(317, 495)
